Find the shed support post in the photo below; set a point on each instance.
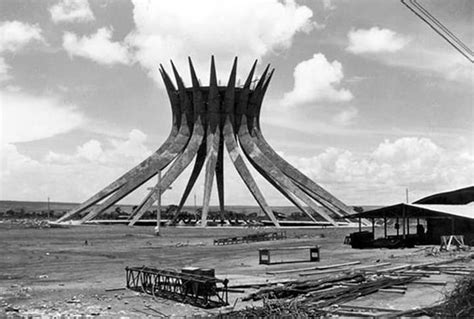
(373, 227)
(403, 223)
(360, 225)
(385, 227)
(398, 227)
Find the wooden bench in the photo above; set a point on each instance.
(265, 254)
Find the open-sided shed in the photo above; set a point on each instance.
(441, 220)
(444, 214)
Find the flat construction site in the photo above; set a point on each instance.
(81, 270)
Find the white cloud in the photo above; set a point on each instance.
(247, 29)
(69, 177)
(27, 117)
(130, 150)
(416, 163)
(317, 80)
(13, 163)
(71, 11)
(375, 40)
(446, 63)
(429, 58)
(97, 47)
(3, 70)
(346, 117)
(91, 150)
(406, 149)
(329, 5)
(378, 177)
(15, 35)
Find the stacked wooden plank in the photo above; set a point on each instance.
(329, 290)
(311, 298)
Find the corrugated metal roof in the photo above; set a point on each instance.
(456, 210)
(419, 211)
(460, 196)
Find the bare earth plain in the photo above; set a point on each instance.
(51, 271)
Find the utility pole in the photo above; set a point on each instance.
(159, 191)
(406, 195)
(158, 213)
(195, 207)
(49, 209)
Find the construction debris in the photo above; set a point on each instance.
(29, 223)
(457, 304)
(309, 298)
(326, 296)
(313, 268)
(251, 238)
(330, 288)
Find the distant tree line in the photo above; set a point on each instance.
(167, 212)
(119, 213)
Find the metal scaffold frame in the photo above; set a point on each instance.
(197, 290)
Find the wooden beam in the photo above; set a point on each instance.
(313, 268)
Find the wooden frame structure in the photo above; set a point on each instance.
(205, 120)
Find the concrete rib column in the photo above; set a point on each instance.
(310, 187)
(220, 170)
(180, 164)
(150, 162)
(233, 122)
(198, 101)
(167, 156)
(263, 163)
(233, 148)
(213, 136)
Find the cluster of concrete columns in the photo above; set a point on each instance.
(207, 119)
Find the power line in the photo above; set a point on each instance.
(442, 26)
(436, 25)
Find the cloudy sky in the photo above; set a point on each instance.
(367, 100)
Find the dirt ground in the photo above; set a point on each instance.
(52, 271)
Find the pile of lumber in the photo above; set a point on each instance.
(294, 288)
(325, 296)
(336, 295)
(326, 291)
(456, 304)
(309, 298)
(461, 270)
